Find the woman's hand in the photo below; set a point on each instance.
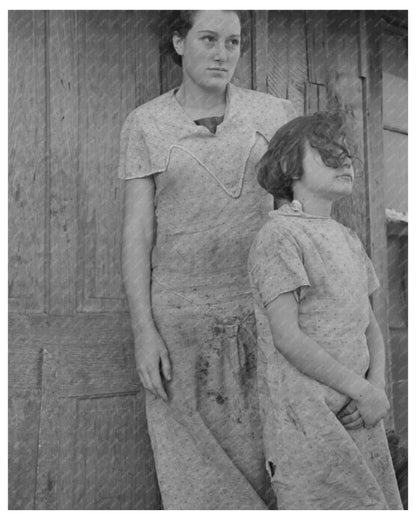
(372, 405)
(350, 417)
(152, 360)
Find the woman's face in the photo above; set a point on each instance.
(211, 49)
(323, 181)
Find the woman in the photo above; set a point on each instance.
(192, 208)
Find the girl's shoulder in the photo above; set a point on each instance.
(275, 232)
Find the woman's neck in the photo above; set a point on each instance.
(199, 103)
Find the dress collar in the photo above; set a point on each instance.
(295, 209)
(185, 125)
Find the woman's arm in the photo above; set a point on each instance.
(308, 357)
(137, 242)
(375, 342)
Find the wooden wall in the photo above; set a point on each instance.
(78, 437)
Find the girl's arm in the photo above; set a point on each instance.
(375, 342)
(137, 242)
(308, 357)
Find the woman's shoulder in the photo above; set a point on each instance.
(157, 107)
(255, 100)
(267, 113)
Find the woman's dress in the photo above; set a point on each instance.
(207, 439)
(314, 462)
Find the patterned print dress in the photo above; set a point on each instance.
(314, 462)
(207, 438)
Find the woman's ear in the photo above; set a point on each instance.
(177, 42)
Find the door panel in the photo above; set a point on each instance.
(27, 162)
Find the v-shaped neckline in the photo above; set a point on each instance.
(191, 122)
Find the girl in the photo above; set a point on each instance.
(321, 353)
(192, 209)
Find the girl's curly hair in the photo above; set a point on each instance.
(180, 22)
(327, 132)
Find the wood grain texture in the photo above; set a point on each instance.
(377, 244)
(107, 461)
(27, 161)
(63, 36)
(107, 91)
(260, 50)
(278, 54)
(287, 63)
(93, 450)
(316, 42)
(243, 76)
(345, 92)
(24, 409)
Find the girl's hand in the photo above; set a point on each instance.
(152, 359)
(350, 417)
(372, 405)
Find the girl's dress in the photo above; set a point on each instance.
(207, 439)
(313, 461)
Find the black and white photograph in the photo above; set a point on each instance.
(208, 259)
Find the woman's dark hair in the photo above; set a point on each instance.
(327, 132)
(180, 22)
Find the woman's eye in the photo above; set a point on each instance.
(234, 43)
(208, 39)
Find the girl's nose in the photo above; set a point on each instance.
(347, 162)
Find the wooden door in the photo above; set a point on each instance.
(78, 437)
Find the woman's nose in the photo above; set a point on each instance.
(220, 52)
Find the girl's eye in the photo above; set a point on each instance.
(208, 39)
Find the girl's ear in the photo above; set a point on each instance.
(283, 165)
(178, 42)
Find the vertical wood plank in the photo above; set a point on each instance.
(287, 57)
(297, 60)
(345, 92)
(315, 24)
(243, 76)
(64, 30)
(260, 50)
(48, 450)
(27, 161)
(106, 69)
(146, 39)
(118, 68)
(278, 54)
(377, 247)
(24, 408)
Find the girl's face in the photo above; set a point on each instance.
(211, 49)
(322, 180)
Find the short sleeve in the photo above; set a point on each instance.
(275, 265)
(134, 154)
